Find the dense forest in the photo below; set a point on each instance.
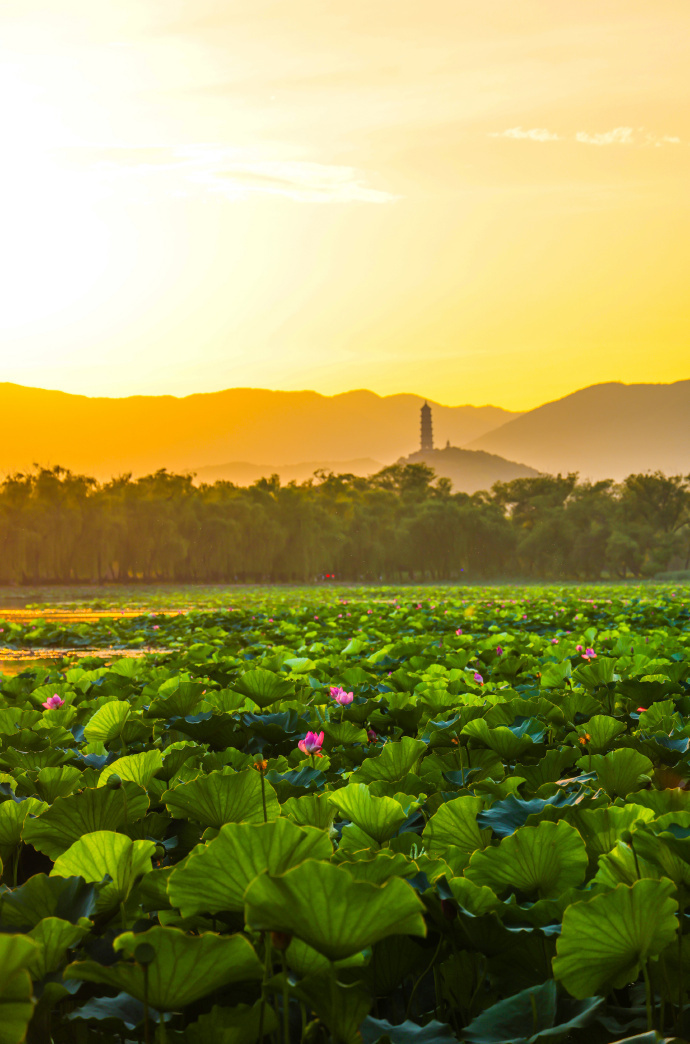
(400, 524)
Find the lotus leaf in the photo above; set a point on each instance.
(393, 763)
(322, 905)
(620, 771)
(182, 969)
(221, 798)
(69, 818)
(545, 859)
(54, 937)
(264, 687)
(214, 879)
(107, 723)
(16, 1001)
(379, 817)
(604, 941)
(106, 854)
(139, 768)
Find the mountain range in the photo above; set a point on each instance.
(606, 430)
(105, 437)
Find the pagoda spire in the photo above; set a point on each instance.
(427, 435)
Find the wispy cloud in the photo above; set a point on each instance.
(535, 134)
(201, 169)
(616, 136)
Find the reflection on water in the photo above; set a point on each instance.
(12, 661)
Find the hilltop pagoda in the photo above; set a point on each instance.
(427, 435)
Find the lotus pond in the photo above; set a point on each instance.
(394, 815)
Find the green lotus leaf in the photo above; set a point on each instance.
(341, 1006)
(533, 1015)
(238, 1025)
(592, 675)
(619, 771)
(476, 899)
(69, 818)
(602, 730)
(222, 797)
(393, 763)
(623, 866)
(152, 890)
(13, 816)
(661, 847)
(662, 802)
(139, 768)
(408, 1032)
(54, 937)
(121, 1009)
(310, 810)
(176, 698)
(58, 781)
(16, 1001)
(214, 879)
(264, 687)
(601, 828)
(336, 915)
(553, 675)
(343, 733)
(454, 828)
(604, 941)
(106, 724)
(501, 739)
(384, 865)
(545, 859)
(69, 899)
(183, 968)
(305, 960)
(379, 817)
(105, 853)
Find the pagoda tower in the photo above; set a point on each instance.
(427, 439)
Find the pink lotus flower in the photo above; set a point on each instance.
(641, 710)
(499, 650)
(589, 654)
(478, 678)
(340, 696)
(371, 736)
(52, 702)
(554, 641)
(312, 743)
(459, 631)
(578, 648)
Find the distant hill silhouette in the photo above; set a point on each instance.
(243, 474)
(105, 437)
(604, 431)
(470, 470)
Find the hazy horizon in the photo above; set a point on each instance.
(336, 394)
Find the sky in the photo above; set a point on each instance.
(481, 203)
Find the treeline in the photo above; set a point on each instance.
(400, 524)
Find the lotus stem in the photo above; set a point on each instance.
(428, 968)
(286, 1001)
(263, 792)
(648, 996)
(145, 969)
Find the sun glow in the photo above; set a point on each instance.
(55, 246)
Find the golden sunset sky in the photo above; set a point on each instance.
(477, 202)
